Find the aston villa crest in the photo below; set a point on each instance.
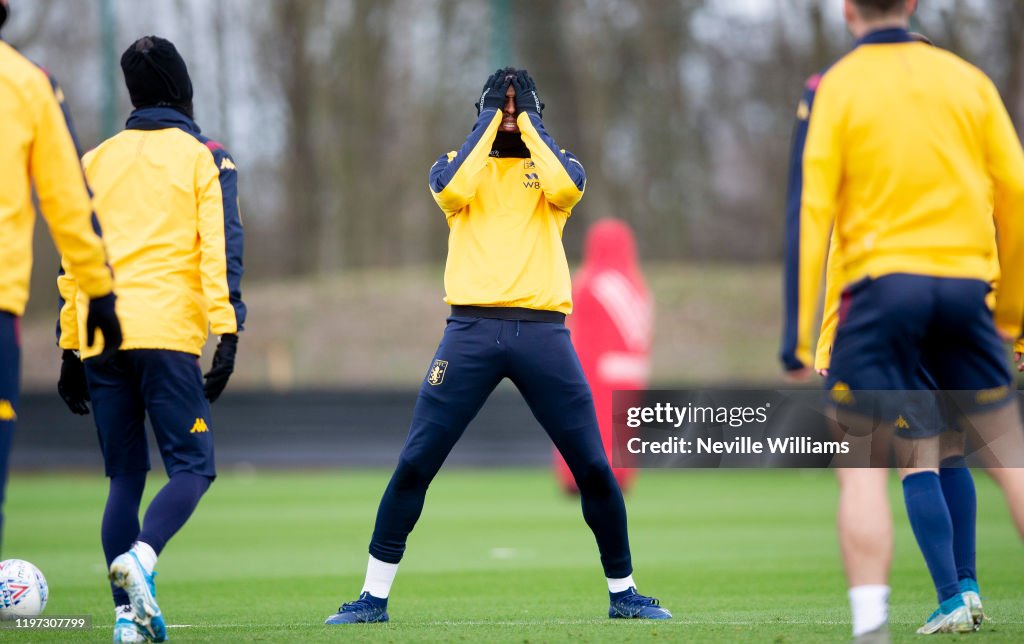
(436, 375)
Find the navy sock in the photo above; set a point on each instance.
(120, 525)
(933, 528)
(958, 488)
(171, 508)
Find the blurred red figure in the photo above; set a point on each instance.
(611, 325)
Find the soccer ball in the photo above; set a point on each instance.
(23, 590)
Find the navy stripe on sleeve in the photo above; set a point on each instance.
(572, 166)
(233, 232)
(791, 282)
(443, 171)
(58, 94)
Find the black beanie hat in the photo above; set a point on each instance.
(156, 74)
(3, 12)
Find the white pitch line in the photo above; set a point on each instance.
(581, 622)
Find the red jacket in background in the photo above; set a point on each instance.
(611, 325)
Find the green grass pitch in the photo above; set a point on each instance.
(499, 555)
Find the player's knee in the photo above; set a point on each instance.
(199, 482)
(596, 479)
(407, 477)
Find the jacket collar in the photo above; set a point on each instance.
(160, 118)
(887, 36)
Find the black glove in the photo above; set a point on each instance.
(103, 317)
(71, 386)
(493, 94)
(526, 94)
(223, 366)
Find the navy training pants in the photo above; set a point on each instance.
(475, 354)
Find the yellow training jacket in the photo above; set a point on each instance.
(910, 153)
(168, 203)
(506, 215)
(37, 147)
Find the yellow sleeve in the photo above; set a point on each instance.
(833, 295)
(562, 176)
(1006, 167)
(67, 321)
(822, 169)
(64, 198)
(454, 177)
(213, 262)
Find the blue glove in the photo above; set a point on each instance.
(526, 94)
(223, 366)
(493, 95)
(72, 385)
(103, 317)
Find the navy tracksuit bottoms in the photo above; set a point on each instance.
(475, 354)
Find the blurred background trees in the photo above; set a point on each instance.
(681, 110)
(335, 109)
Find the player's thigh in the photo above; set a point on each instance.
(119, 413)
(877, 345)
(964, 351)
(172, 387)
(465, 369)
(865, 483)
(547, 371)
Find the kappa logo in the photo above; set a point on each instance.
(532, 180)
(7, 411)
(437, 371)
(803, 111)
(199, 427)
(841, 393)
(901, 423)
(227, 164)
(983, 397)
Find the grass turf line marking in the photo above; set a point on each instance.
(576, 622)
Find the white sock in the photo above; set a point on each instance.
(124, 610)
(870, 606)
(619, 585)
(146, 555)
(379, 577)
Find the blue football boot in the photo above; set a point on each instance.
(972, 598)
(952, 616)
(126, 630)
(365, 610)
(630, 604)
(126, 572)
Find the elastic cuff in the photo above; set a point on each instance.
(953, 461)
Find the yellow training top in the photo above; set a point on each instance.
(167, 199)
(37, 148)
(506, 215)
(911, 155)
